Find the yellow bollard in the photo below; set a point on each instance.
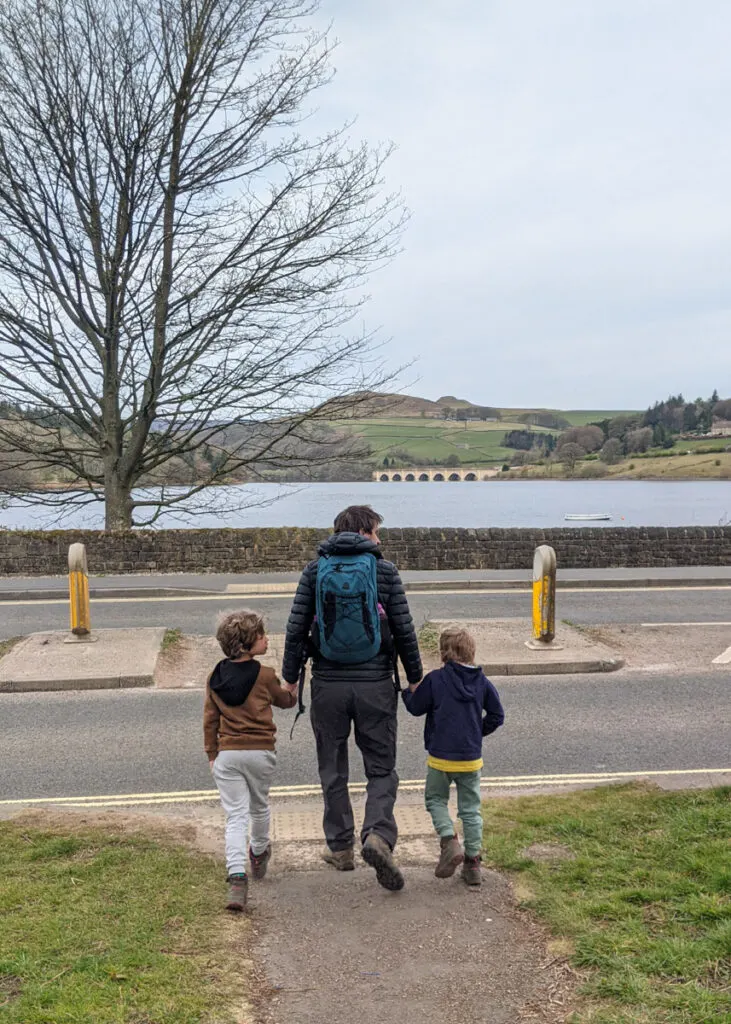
(79, 591)
(544, 599)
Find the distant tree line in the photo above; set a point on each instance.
(608, 441)
(470, 413)
(525, 440)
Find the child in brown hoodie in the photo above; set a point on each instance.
(239, 733)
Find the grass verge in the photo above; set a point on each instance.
(7, 645)
(641, 888)
(428, 637)
(172, 638)
(98, 925)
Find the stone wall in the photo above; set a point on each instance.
(39, 553)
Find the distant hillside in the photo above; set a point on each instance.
(373, 405)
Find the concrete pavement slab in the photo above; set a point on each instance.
(502, 651)
(187, 663)
(666, 647)
(117, 658)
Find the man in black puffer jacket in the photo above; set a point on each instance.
(363, 694)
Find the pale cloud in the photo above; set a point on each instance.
(567, 165)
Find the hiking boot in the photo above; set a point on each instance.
(472, 871)
(341, 860)
(377, 853)
(237, 890)
(450, 858)
(259, 862)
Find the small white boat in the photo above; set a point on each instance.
(591, 517)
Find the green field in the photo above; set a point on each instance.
(425, 439)
(576, 417)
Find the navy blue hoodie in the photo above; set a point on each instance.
(453, 698)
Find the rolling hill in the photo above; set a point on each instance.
(413, 430)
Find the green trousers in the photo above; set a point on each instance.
(469, 806)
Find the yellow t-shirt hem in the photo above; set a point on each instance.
(453, 766)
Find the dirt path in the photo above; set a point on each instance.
(337, 948)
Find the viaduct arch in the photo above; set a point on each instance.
(437, 474)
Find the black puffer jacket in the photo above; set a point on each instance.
(391, 596)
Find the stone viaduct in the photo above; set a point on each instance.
(439, 474)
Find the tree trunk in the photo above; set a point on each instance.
(117, 503)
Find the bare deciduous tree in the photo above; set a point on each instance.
(179, 262)
(588, 437)
(612, 451)
(569, 454)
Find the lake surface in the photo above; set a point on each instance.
(489, 503)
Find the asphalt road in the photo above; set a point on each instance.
(141, 741)
(197, 615)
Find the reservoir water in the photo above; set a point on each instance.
(479, 504)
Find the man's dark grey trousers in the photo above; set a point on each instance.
(370, 707)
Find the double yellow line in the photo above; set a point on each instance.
(302, 792)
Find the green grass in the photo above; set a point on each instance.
(7, 645)
(646, 903)
(580, 417)
(98, 926)
(429, 638)
(427, 440)
(171, 639)
(701, 445)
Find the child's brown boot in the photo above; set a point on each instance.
(450, 858)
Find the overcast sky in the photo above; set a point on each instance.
(567, 164)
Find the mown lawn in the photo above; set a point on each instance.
(645, 904)
(99, 927)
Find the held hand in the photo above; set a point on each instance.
(292, 688)
(211, 762)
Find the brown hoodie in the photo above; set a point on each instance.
(237, 714)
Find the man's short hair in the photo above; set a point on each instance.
(237, 632)
(456, 644)
(355, 518)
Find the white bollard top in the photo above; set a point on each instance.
(544, 562)
(77, 559)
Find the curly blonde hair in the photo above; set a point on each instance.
(456, 644)
(237, 632)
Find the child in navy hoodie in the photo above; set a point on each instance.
(454, 698)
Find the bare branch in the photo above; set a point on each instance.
(179, 262)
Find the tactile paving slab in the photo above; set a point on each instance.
(306, 826)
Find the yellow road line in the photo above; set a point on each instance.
(283, 792)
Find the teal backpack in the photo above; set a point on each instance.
(347, 608)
